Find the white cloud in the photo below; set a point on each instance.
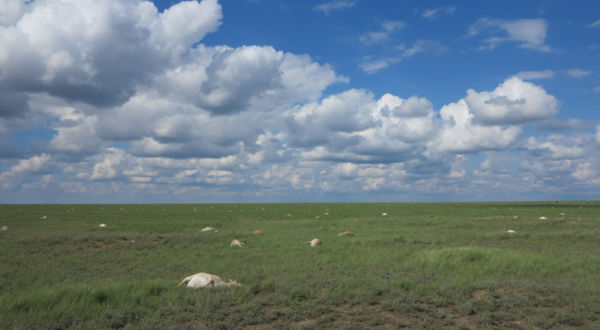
(458, 170)
(512, 102)
(402, 123)
(388, 28)
(578, 73)
(346, 170)
(100, 51)
(421, 46)
(328, 7)
(27, 170)
(387, 129)
(220, 123)
(585, 171)
(434, 13)
(532, 75)
(555, 147)
(226, 91)
(304, 79)
(370, 65)
(319, 123)
(529, 33)
(595, 24)
(177, 28)
(106, 168)
(77, 136)
(490, 120)
(216, 105)
(30, 165)
(460, 134)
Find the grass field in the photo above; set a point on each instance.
(449, 265)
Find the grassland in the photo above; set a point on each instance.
(423, 266)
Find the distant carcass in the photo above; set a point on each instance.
(314, 242)
(205, 280)
(235, 242)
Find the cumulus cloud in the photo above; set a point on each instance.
(37, 164)
(490, 120)
(319, 123)
(460, 133)
(403, 124)
(33, 164)
(458, 167)
(217, 121)
(553, 161)
(387, 129)
(100, 52)
(512, 102)
(77, 137)
(182, 25)
(529, 33)
(585, 171)
(106, 168)
(327, 7)
(555, 147)
(235, 77)
(260, 77)
(180, 120)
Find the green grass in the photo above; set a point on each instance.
(446, 265)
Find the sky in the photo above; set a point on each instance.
(129, 101)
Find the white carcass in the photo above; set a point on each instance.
(314, 242)
(205, 280)
(235, 242)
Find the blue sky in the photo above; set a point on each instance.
(289, 101)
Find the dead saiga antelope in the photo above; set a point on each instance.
(205, 280)
(314, 242)
(235, 242)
